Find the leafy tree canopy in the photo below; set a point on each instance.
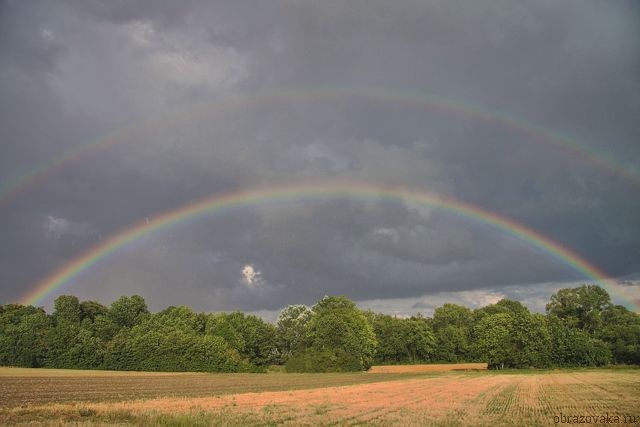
(580, 307)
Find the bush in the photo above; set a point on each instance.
(337, 325)
(574, 347)
(162, 350)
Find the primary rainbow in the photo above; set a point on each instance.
(571, 147)
(318, 191)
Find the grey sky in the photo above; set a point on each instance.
(73, 72)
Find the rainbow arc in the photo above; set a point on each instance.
(326, 190)
(572, 148)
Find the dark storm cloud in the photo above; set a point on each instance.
(73, 72)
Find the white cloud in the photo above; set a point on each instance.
(391, 233)
(141, 32)
(630, 289)
(319, 155)
(420, 209)
(183, 60)
(251, 277)
(426, 304)
(148, 71)
(534, 296)
(47, 36)
(57, 227)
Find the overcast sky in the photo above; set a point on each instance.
(76, 72)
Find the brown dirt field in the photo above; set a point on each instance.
(46, 373)
(29, 387)
(481, 398)
(428, 368)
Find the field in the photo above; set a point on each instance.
(427, 368)
(411, 398)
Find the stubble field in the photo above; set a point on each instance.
(435, 398)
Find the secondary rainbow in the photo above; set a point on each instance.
(318, 191)
(571, 147)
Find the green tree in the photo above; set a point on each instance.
(451, 325)
(180, 317)
(71, 346)
(338, 327)
(512, 339)
(505, 305)
(402, 340)
(89, 310)
(23, 335)
(160, 344)
(290, 329)
(103, 327)
(220, 326)
(531, 340)
(621, 331)
(128, 311)
(492, 339)
(580, 307)
(67, 308)
(571, 346)
(581, 329)
(258, 336)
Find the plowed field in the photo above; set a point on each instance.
(454, 398)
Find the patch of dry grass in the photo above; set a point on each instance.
(442, 367)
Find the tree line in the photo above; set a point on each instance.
(581, 327)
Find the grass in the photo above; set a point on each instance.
(513, 397)
(190, 418)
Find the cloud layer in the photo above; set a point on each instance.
(73, 73)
